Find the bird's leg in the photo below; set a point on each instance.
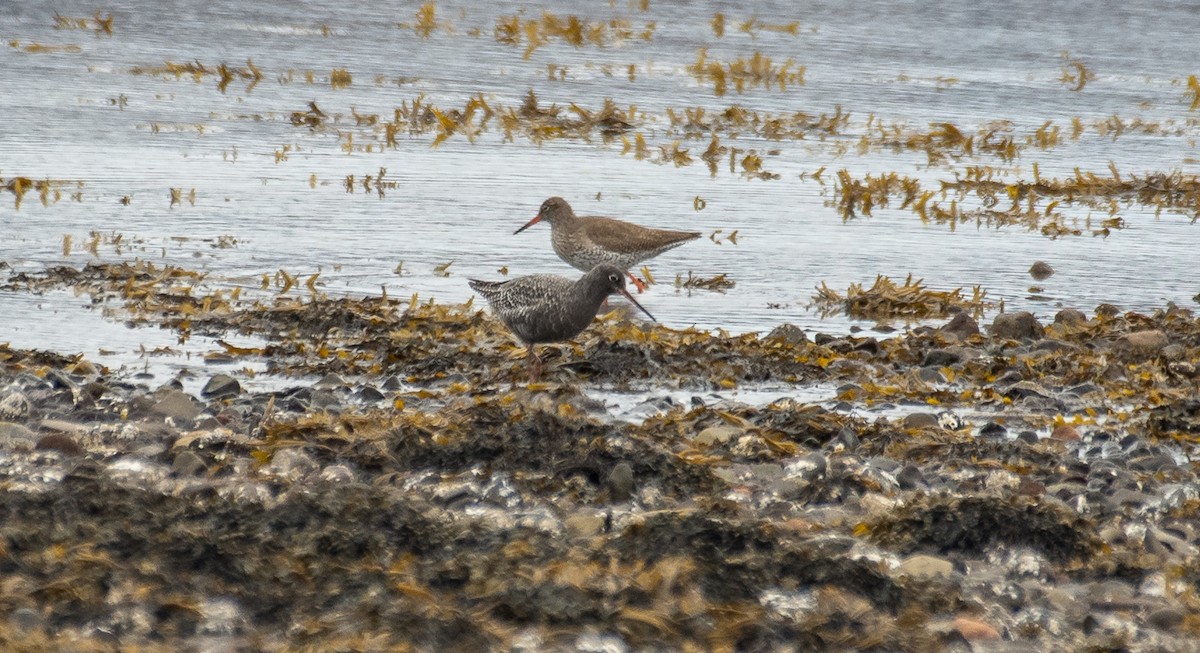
(535, 365)
(641, 287)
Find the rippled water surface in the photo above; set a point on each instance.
(98, 113)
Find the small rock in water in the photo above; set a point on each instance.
(1041, 270)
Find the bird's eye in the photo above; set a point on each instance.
(614, 278)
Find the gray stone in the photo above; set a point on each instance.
(176, 405)
(1165, 618)
(1070, 317)
(221, 385)
(14, 405)
(961, 326)
(925, 568)
(718, 434)
(920, 421)
(788, 333)
(941, 357)
(1041, 271)
(16, 436)
(621, 482)
(1021, 325)
(188, 463)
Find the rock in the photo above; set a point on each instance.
(15, 436)
(337, 473)
(330, 381)
(62, 426)
(1041, 270)
(221, 385)
(941, 358)
(961, 326)
(788, 333)
(585, 524)
(992, 430)
(1165, 618)
(61, 443)
(920, 421)
(925, 568)
(719, 434)
(369, 394)
(188, 463)
(621, 482)
(974, 630)
(14, 405)
(1021, 325)
(290, 464)
(1142, 344)
(1070, 317)
(1065, 432)
(910, 477)
(176, 405)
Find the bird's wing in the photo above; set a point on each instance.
(627, 238)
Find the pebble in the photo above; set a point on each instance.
(621, 485)
(788, 333)
(16, 436)
(920, 421)
(188, 463)
(922, 567)
(974, 630)
(221, 385)
(1065, 432)
(719, 434)
(1165, 618)
(177, 405)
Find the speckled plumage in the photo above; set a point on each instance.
(543, 308)
(587, 241)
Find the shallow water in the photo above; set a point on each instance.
(85, 117)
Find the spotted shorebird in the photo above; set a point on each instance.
(587, 241)
(543, 308)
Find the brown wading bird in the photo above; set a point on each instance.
(549, 308)
(587, 241)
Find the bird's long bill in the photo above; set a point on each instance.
(635, 303)
(528, 225)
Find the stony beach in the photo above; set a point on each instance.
(1020, 486)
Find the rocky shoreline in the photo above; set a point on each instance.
(1029, 487)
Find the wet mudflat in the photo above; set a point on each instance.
(928, 382)
(1022, 485)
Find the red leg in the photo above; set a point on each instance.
(641, 287)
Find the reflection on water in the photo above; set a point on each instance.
(170, 162)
